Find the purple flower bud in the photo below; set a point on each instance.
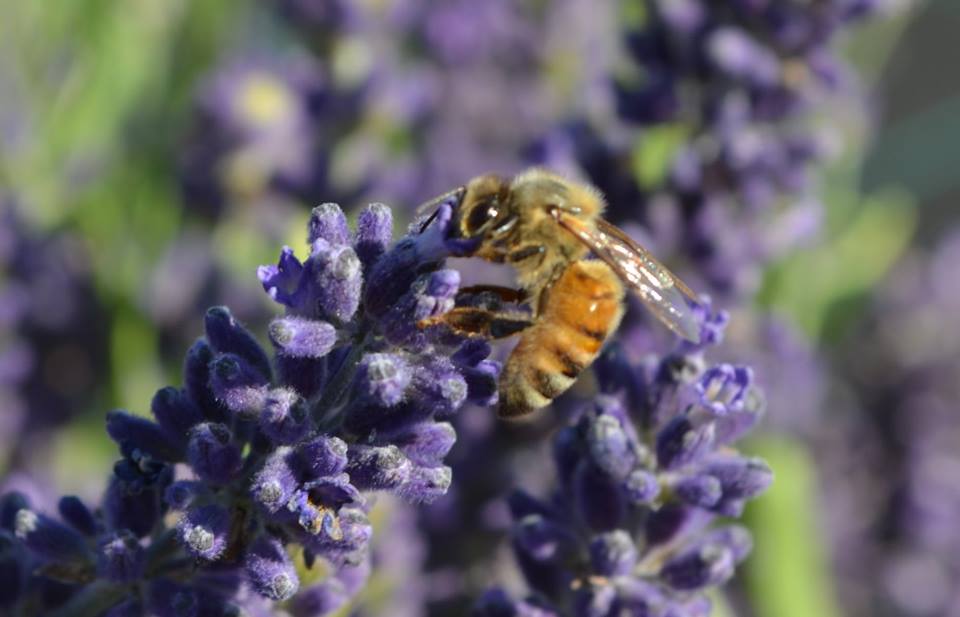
(226, 335)
(609, 446)
(482, 383)
(196, 381)
(739, 422)
(135, 433)
(393, 275)
(596, 599)
(641, 487)
(377, 468)
(428, 296)
(680, 443)
(541, 538)
(668, 522)
(382, 378)
(307, 375)
(354, 532)
(733, 51)
(337, 279)
(270, 570)
(316, 519)
(424, 443)
(212, 455)
(734, 537)
(374, 233)
(709, 563)
(299, 337)
(120, 558)
(283, 281)
(637, 596)
(426, 484)
(438, 388)
(333, 491)
(14, 568)
(204, 531)
(286, 416)
(522, 504)
(442, 285)
(76, 514)
(133, 499)
(598, 497)
(238, 386)
(712, 326)
(699, 490)
(10, 504)
(321, 456)
(169, 599)
(738, 477)
(48, 539)
(328, 222)
(274, 485)
(722, 388)
(472, 352)
(613, 553)
(182, 493)
(175, 413)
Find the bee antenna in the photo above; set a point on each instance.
(430, 219)
(435, 203)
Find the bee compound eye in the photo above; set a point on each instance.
(481, 215)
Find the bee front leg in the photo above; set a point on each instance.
(474, 321)
(527, 252)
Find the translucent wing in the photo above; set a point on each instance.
(663, 294)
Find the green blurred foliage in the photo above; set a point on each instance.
(787, 574)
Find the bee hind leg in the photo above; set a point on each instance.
(505, 294)
(479, 322)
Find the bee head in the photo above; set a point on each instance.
(483, 211)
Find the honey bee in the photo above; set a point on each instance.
(547, 227)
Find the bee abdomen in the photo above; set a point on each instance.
(580, 312)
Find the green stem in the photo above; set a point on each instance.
(336, 387)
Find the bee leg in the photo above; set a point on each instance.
(473, 321)
(526, 252)
(507, 294)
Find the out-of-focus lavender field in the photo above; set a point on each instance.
(792, 160)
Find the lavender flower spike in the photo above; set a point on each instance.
(639, 490)
(283, 451)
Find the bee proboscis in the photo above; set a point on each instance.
(547, 227)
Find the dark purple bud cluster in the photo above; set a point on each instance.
(643, 475)
(50, 320)
(279, 453)
(730, 96)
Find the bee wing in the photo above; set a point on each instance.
(663, 293)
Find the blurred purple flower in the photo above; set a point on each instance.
(51, 335)
(720, 130)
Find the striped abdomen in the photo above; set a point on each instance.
(580, 310)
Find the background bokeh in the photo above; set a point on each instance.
(152, 154)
